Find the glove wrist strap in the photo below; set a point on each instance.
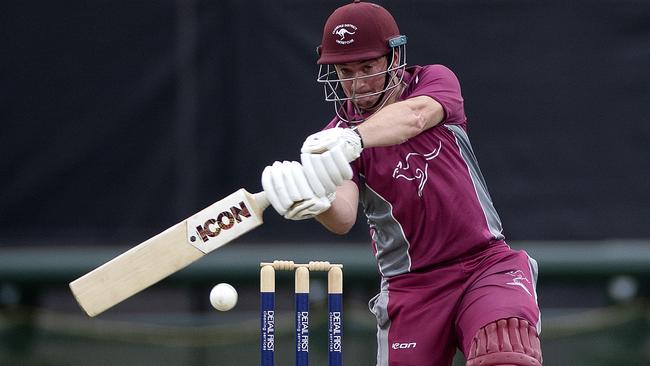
(356, 130)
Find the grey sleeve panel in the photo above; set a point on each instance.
(392, 245)
(491, 216)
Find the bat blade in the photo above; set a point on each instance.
(168, 252)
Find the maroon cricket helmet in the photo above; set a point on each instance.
(356, 32)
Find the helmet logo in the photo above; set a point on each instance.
(343, 31)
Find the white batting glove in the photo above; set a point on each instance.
(326, 171)
(310, 208)
(326, 156)
(285, 184)
(288, 191)
(348, 139)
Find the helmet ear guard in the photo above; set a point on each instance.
(397, 41)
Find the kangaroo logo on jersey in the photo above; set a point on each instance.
(416, 167)
(344, 31)
(518, 279)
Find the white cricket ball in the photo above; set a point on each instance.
(223, 297)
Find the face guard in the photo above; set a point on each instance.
(344, 105)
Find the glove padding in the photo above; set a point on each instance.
(289, 192)
(310, 208)
(326, 140)
(326, 156)
(326, 171)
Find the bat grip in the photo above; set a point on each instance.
(261, 200)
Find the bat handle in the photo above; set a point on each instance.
(261, 200)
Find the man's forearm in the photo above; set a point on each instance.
(342, 215)
(398, 122)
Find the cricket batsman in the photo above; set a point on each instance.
(398, 144)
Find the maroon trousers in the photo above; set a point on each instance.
(423, 317)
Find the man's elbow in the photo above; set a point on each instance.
(339, 227)
(426, 113)
(419, 123)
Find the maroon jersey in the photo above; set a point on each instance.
(425, 199)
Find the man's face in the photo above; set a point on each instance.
(363, 85)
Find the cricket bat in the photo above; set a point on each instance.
(169, 251)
